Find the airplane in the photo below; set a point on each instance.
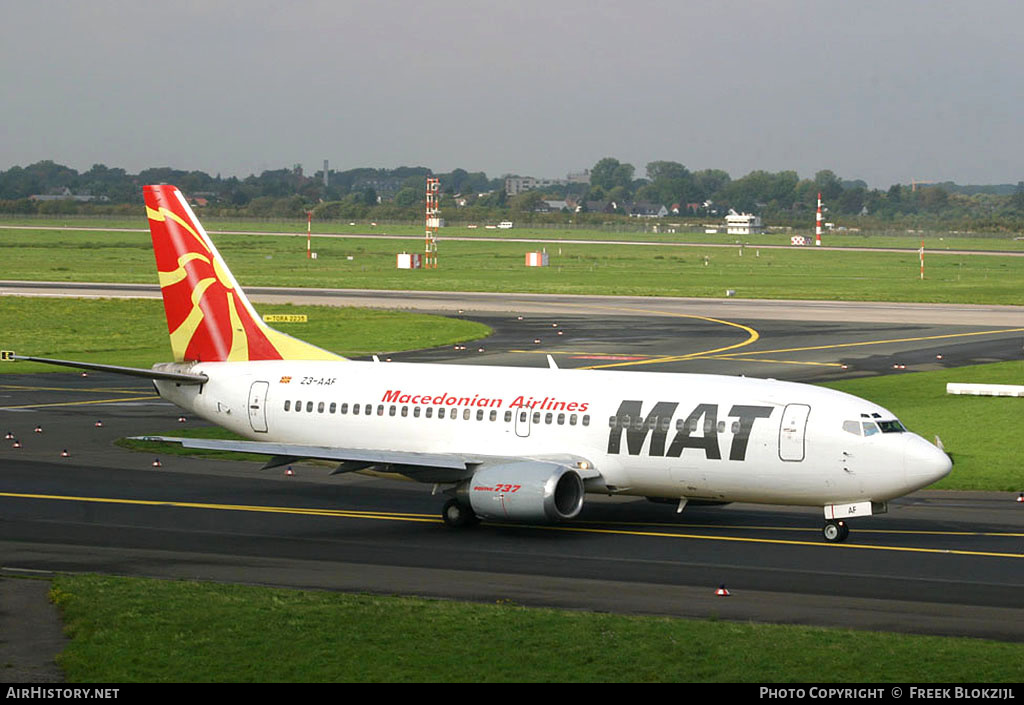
(512, 444)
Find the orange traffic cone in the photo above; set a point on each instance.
(39, 429)
(65, 454)
(721, 591)
(157, 463)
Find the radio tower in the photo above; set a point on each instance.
(817, 224)
(433, 222)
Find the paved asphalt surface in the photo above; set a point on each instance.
(938, 563)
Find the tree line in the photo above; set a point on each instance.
(781, 198)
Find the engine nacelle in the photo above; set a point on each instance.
(528, 490)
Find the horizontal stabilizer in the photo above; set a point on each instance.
(180, 377)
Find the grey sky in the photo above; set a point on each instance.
(884, 91)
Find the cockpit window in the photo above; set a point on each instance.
(852, 427)
(870, 428)
(893, 426)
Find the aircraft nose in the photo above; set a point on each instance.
(923, 463)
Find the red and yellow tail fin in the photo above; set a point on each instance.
(208, 315)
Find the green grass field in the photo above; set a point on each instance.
(133, 332)
(575, 268)
(130, 630)
(688, 232)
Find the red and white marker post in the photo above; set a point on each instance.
(817, 224)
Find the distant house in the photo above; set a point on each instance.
(647, 210)
(63, 194)
(742, 223)
(552, 206)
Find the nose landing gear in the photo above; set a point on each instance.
(835, 531)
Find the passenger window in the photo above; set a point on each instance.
(572, 419)
(852, 427)
(429, 412)
(508, 416)
(380, 410)
(405, 411)
(320, 408)
(586, 419)
(334, 407)
(561, 419)
(479, 414)
(287, 404)
(309, 407)
(536, 417)
(466, 414)
(355, 409)
(494, 415)
(440, 413)
(344, 408)
(368, 409)
(391, 410)
(547, 417)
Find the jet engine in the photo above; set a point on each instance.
(528, 491)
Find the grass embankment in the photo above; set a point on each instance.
(133, 332)
(685, 231)
(129, 630)
(575, 268)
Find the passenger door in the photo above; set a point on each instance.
(258, 406)
(792, 429)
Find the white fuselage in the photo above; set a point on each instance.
(650, 434)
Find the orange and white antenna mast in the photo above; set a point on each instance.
(433, 222)
(817, 224)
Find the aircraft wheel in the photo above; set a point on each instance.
(456, 514)
(835, 531)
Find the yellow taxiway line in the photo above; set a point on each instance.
(117, 400)
(425, 518)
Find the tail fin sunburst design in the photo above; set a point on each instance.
(208, 315)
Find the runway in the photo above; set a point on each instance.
(938, 563)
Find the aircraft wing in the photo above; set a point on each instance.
(423, 467)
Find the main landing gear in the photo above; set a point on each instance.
(835, 531)
(456, 514)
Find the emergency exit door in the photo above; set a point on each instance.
(792, 431)
(258, 406)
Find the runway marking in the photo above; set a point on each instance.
(752, 335)
(873, 342)
(721, 355)
(92, 390)
(430, 519)
(119, 400)
(351, 514)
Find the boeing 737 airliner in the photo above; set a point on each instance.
(514, 444)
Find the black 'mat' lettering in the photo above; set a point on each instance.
(708, 441)
(747, 415)
(629, 421)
